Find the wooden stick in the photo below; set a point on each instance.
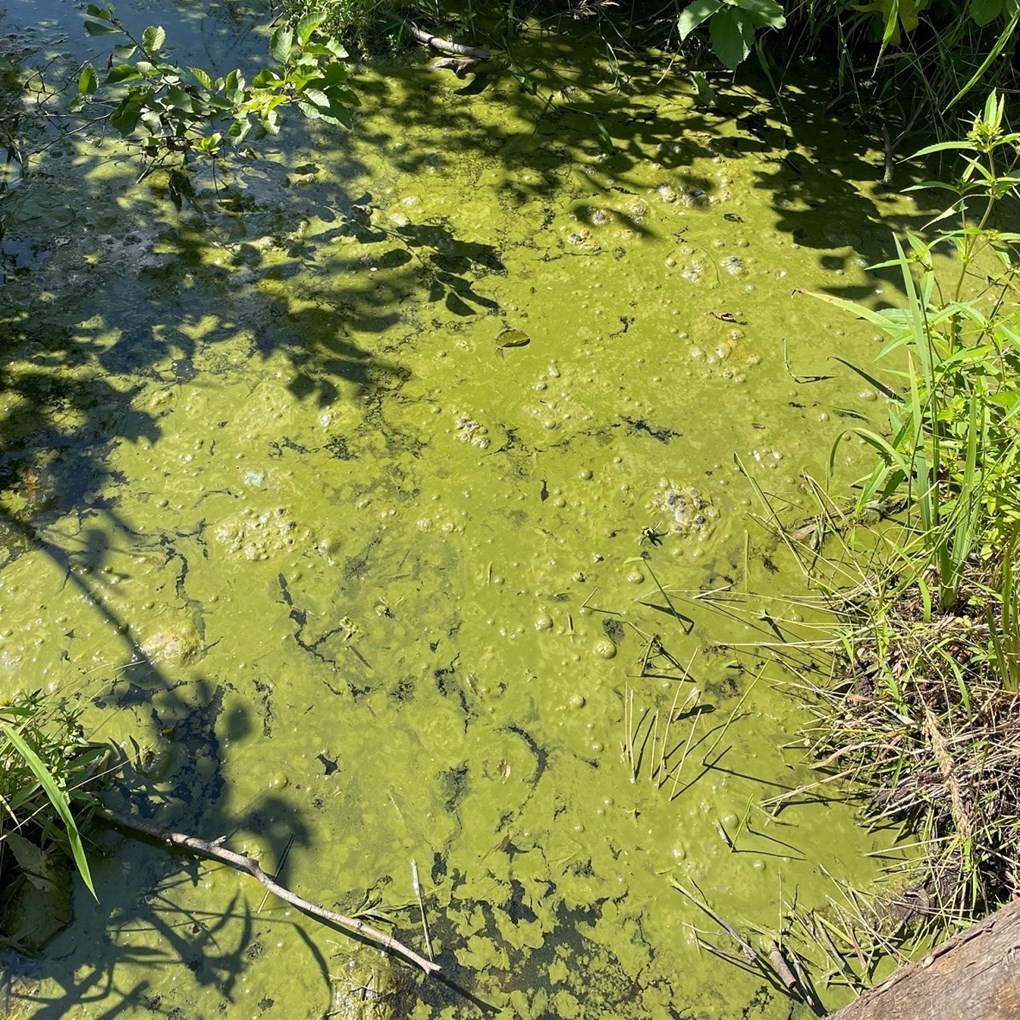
(215, 851)
(446, 46)
(781, 967)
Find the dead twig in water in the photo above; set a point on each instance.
(215, 851)
(745, 947)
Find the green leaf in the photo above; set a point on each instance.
(180, 100)
(990, 57)
(861, 311)
(99, 12)
(58, 798)
(202, 77)
(270, 121)
(122, 72)
(510, 337)
(87, 81)
(695, 14)
(125, 118)
(732, 35)
(31, 859)
(152, 39)
(316, 97)
(310, 22)
(983, 12)
(266, 79)
(281, 43)
(99, 28)
(338, 114)
(238, 130)
(763, 13)
(334, 47)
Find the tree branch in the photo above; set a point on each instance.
(215, 851)
(446, 46)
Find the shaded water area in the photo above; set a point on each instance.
(358, 577)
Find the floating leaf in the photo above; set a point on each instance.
(509, 337)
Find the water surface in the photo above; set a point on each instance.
(357, 577)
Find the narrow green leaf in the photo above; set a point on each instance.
(861, 311)
(58, 798)
(990, 58)
(202, 77)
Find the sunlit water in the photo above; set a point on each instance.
(359, 578)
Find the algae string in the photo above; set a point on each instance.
(369, 510)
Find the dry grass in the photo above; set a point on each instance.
(918, 719)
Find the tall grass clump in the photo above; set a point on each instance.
(45, 766)
(923, 710)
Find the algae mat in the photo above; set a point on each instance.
(367, 505)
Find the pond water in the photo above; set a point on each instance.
(370, 505)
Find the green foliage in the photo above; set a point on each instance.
(732, 25)
(176, 113)
(954, 446)
(45, 763)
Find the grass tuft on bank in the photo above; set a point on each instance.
(922, 712)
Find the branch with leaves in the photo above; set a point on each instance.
(177, 113)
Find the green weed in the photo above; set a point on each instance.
(45, 764)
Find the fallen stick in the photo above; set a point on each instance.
(215, 851)
(446, 45)
(781, 967)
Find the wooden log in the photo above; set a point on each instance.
(975, 974)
